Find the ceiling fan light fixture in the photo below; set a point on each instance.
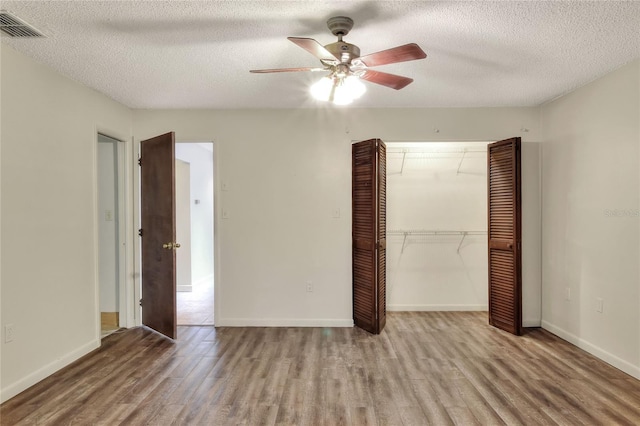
(338, 89)
(354, 86)
(322, 89)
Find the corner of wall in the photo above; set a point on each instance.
(11, 390)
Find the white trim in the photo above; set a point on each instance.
(429, 308)
(137, 248)
(185, 288)
(217, 234)
(96, 233)
(44, 372)
(283, 322)
(594, 350)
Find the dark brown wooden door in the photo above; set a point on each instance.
(369, 185)
(158, 223)
(504, 217)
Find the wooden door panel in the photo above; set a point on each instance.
(158, 223)
(368, 210)
(504, 230)
(381, 173)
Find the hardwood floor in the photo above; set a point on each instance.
(426, 368)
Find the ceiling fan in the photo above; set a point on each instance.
(346, 67)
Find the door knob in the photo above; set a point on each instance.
(170, 246)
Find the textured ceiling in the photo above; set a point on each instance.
(197, 54)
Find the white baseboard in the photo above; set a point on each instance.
(13, 389)
(609, 358)
(429, 308)
(184, 288)
(283, 322)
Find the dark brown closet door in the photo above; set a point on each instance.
(158, 223)
(369, 234)
(504, 217)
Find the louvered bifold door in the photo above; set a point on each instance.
(504, 229)
(381, 165)
(369, 234)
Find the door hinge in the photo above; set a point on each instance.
(139, 161)
(140, 302)
(140, 232)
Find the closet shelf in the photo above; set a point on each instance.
(406, 233)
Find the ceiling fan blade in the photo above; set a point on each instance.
(287, 70)
(313, 47)
(407, 52)
(385, 79)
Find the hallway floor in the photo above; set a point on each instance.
(196, 307)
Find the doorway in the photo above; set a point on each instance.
(195, 232)
(111, 232)
(437, 226)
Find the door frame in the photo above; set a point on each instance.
(126, 219)
(136, 290)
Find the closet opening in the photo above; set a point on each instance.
(194, 183)
(437, 226)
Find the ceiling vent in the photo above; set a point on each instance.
(13, 26)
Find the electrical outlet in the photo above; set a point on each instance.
(599, 305)
(8, 333)
(309, 287)
(225, 214)
(567, 294)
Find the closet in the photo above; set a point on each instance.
(437, 226)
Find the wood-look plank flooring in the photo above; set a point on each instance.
(436, 368)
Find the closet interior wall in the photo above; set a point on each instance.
(437, 223)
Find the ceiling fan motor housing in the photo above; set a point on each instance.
(340, 25)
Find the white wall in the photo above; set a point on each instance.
(531, 235)
(49, 208)
(183, 225)
(590, 221)
(200, 160)
(430, 194)
(107, 212)
(286, 171)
